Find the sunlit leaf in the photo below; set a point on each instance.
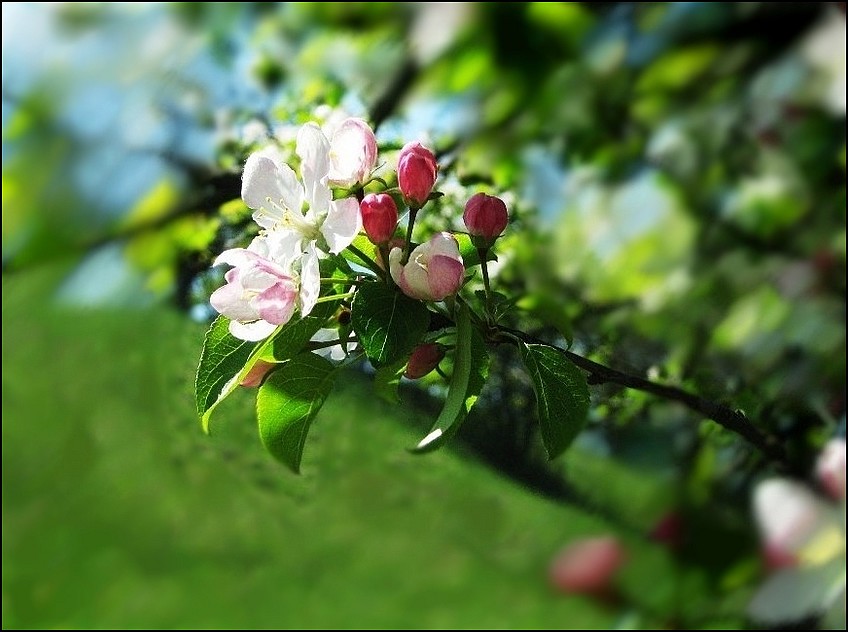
(470, 370)
(389, 324)
(288, 402)
(562, 395)
(222, 359)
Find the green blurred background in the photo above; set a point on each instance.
(676, 178)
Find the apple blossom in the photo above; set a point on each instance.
(353, 152)
(434, 270)
(587, 565)
(417, 170)
(257, 374)
(830, 468)
(804, 546)
(295, 236)
(259, 294)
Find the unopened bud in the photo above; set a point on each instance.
(424, 359)
(379, 217)
(587, 566)
(485, 217)
(257, 373)
(417, 171)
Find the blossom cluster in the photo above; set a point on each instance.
(318, 214)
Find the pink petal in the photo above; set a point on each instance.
(276, 304)
(444, 277)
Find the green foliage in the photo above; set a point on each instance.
(387, 379)
(222, 360)
(288, 402)
(562, 396)
(388, 323)
(470, 370)
(675, 176)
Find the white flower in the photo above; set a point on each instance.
(824, 49)
(353, 152)
(296, 235)
(259, 294)
(804, 538)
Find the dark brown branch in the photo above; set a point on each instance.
(732, 420)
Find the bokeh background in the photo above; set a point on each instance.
(676, 178)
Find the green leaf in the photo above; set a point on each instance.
(221, 360)
(226, 360)
(562, 395)
(364, 245)
(468, 251)
(388, 323)
(470, 370)
(292, 338)
(288, 402)
(387, 379)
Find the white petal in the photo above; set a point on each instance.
(252, 332)
(788, 514)
(443, 244)
(285, 247)
(342, 224)
(353, 152)
(314, 151)
(235, 257)
(792, 594)
(310, 280)
(266, 184)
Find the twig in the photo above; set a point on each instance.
(732, 420)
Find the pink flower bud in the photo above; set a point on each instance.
(485, 217)
(587, 566)
(830, 468)
(257, 373)
(434, 270)
(417, 170)
(424, 359)
(668, 530)
(379, 217)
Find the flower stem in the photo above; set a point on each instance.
(334, 297)
(368, 261)
(408, 247)
(343, 281)
(481, 253)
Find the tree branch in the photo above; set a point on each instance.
(733, 420)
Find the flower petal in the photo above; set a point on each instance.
(444, 276)
(310, 280)
(266, 185)
(789, 515)
(342, 224)
(353, 152)
(792, 594)
(235, 257)
(228, 300)
(285, 247)
(314, 151)
(252, 332)
(276, 304)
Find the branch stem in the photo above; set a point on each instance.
(733, 420)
